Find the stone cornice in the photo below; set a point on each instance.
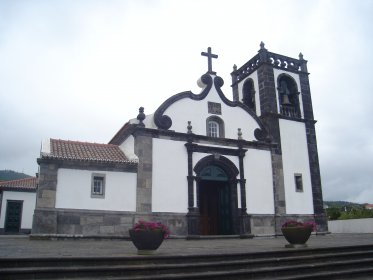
(90, 165)
(201, 139)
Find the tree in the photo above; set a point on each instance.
(8, 175)
(333, 213)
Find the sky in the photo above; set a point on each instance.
(80, 69)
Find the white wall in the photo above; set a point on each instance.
(29, 200)
(128, 148)
(259, 183)
(170, 170)
(74, 190)
(351, 226)
(295, 160)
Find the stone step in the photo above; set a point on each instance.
(343, 274)
(224, 267)
(364, 271)
(284, 263)
(163, 259)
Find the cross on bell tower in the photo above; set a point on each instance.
(210, 56)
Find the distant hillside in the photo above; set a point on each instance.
(7, 175)
(340, 204)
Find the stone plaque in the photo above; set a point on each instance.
(214, 108)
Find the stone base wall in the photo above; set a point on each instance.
(262, 224)
(351, 226)
(76, 222)
(91, 223)
(21, 231)
(271, 224)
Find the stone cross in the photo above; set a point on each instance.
(210, 56)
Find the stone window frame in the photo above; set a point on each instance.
(220, 128)
(298, 180)
(102, 193)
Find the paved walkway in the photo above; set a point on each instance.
(23, 247)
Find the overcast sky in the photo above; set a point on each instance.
(78, 70)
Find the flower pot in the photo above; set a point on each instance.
(297, 235)
(146, 241)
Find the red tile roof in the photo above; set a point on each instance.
(20, 184)
(74, 150)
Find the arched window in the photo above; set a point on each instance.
(248, 94)
(214, 127)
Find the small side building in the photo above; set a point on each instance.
(17, 205)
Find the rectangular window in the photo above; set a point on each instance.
(298, 182)
(98, 186)
(213, 129)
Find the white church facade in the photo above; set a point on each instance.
(202, 164)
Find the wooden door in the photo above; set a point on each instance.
(215, 208)
(13, 216)
(225, 215)
(209, 200)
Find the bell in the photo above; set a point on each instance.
(285, 100)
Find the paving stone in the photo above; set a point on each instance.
(22, 246)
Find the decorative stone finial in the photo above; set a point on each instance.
(141, 116)
(263, 53)
(234, 67)
(239, 133)
(262, 45)
(303, 63)
(189, 127)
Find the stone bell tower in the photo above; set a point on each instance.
(277, 89)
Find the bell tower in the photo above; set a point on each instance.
(277, 89)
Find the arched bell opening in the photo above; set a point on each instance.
(288, 95)
(248, 94)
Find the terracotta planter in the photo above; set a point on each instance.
(146, 241)
(297, 235)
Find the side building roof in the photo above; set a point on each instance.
(27, 184)
(83, 151)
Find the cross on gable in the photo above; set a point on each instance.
(210, 56)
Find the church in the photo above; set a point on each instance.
(202, 163)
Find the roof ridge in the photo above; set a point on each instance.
(24, 184)
(18, 180)
(86, 151)
(83, 142)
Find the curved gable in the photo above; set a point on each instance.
(165, 120)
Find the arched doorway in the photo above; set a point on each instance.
(217, 206)
(214, 202)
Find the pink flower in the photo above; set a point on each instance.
(150, 226)
(293, 223)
